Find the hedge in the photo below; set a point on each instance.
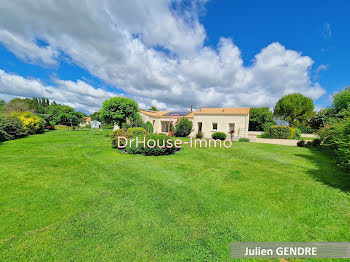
(11, 128)
(137, 131)
(32, 124)
(219, 135)
(183, 128)
(280, 132)
(152, 151)
(337, 136)
(119, 132)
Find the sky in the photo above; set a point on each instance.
(173, 54)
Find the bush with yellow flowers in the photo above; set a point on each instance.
(32, 124)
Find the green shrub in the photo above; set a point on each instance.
(316, 142)
(137, 131)
(199, 134)
(183, 128)
(52, 125)
(219, 135)
(11, 128)
(297, 133)
(280, 132)
(306, 129)
(107, 126)
(155, 151)
(266, 126)
(264, 135)
(337, 136)
(149, 127)
(294, 133)
(243, 139)
(301, 143)
(309, 143)
(32, 124)
(119, 132)
(4, 136)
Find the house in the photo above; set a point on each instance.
(95, 124)
(86, 121)
(207, 120)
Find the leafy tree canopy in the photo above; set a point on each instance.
(294, 108)
(18, 105)
(71, 119)
(341, 102)
(259, 117)
(153, 108)
(95, 116)
(183, 128)
(117, 110)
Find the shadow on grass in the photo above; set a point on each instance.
(327, 171)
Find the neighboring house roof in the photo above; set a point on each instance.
(154, 113)
(202, 111)
(223, 111)
(180, 113)
(87, 119)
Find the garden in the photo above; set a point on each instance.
(71, 194)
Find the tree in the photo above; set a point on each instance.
(18, 105)
(321, 118)
(294, 108)
(153, 108)
(134, 121)
(95, 116)
(183, 128)
(39, 105)
(71, 119)
(341, 102)
(259, 118)
(55, 110)
(117, 110)
(2, 106)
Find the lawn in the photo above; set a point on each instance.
(68, 196)
(302, 138)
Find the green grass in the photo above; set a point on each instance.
(302, 138)
(68, 196)
(307, 138)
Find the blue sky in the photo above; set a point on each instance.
(173, 55)
(319, 29)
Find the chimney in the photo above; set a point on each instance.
(191, 108)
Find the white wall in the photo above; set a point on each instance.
(223, 121)
(240, 121)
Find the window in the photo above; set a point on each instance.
(231, 126)
(215, 126)
(165, 126)
(199, 126)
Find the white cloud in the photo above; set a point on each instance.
(27, 49)
(78, 94)
(154, 53)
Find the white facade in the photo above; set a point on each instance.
(95, 124)
(208, 121)
(221, 123)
